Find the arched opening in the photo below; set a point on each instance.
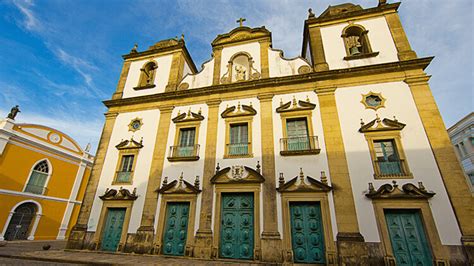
(38, 178)
(147, 76)
(356, 40)
(21, 222)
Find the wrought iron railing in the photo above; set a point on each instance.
(299, 145)
(184, 153)
(41, 190)
(238, 149)
(390, 168)
(123, 176)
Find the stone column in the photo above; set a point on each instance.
(271, 242)
(217, 66)
(203, 240)
(78, 232)
(265, 69)
(350, 243)
(317, 49)
(399, 37)
(448, 164)
(143, 240)
(123, 78)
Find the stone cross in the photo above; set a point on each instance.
(241, 21)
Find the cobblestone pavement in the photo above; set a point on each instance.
(32, 253)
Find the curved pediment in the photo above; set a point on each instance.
(295, 106)
(188, 117)
(381, 125)
(392, 191)
(49, 135)
(241, 34)
(129, 144)
(240, 110)
(179, 186)
(299, 184)
(237, 174)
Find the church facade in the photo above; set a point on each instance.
(339, 156)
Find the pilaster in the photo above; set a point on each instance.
(78, 232)
(143, 240)
(203, 240)
(217, 66)
(176, 71)
(399, 37)
(6, 131)
(317, 49)
(448, 164)
(350, 243)
(264, 46)
(271, 240)
(123, 78)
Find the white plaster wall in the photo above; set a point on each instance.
(279, 66)
(161, 76)
(417, 149)
(120, 132)
(308, 53)
(380, 40)
(252, 48)
(201, 79)
(186, 69)
(189, 169)
(290, 165)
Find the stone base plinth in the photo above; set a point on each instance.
(203, 245)
(271, 248)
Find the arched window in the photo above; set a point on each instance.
(240, 68)
(356, 41)
(147, 76)
(39, 176)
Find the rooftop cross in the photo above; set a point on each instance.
(241, 21)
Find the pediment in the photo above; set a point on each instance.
(179, 186)
(129, 144)
(237, 174)
(392, 191)
(299, 184)
(120, 194)
(240, 110)
(295, 105)
(188, 117)
(241, 34)
(381, 125)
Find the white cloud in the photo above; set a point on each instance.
(30, 22)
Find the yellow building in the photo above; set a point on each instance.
(43, 175)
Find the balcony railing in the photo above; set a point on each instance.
(237, 149)
(184, 153)
(123, 176)
(299, 145)
(40, 190)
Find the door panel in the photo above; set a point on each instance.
(407, 235)
(176, 228)
(237, 226)
(20, 222)
(307, 238)
(113, 229)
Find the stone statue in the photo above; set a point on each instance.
(13, 112)
(240, 73)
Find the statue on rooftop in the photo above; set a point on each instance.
(13, 112)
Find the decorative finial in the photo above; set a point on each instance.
(182, 36)
(200, 110)
(362, 122)
(258, 166)
(88, 147)
(324, 178)
(395, 119)
(307, 98)
(310, 13)
(238, 106)
(134, 192)
(250, 104)
(218, 168)
(281, 180)
(189, 112)
(165, 181)
(180, 179)
(371, 187)
(196, 182)
(281, 101)
(13, 112)
(382, 2)
(141, 140)
(394, 182)
(134, 49)
(301, 174)
(421, 186)
(241, 21)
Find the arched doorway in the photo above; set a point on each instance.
(21, 222)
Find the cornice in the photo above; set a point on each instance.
(419, 63)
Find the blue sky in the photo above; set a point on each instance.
(60, 59)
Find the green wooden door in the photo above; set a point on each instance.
(176, 228)
(113, 229)
(307, 238)
(236, 235)
(409, 243)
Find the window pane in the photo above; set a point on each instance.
(187, 136)
(296, 128)
(239, 133)
(127, 163)
(36, 182)
(387, 157)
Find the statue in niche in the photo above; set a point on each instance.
(354, 45)
(13, 112)
(240, 73)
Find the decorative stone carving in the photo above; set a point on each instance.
(304, 70)
(409, 190)
(373, 100)
(298, 184)
(129, 144)
(135, 125)
(237, 174)
(295, 106)
(381, 125)
(242, 110)
(120, 194)
(183, 86)
(179, 186)
(237, 72)
(189, 116)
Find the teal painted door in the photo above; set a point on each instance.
(176, 228)
(307, 238)
(113, 229)
(236, 236)
(409, 243)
